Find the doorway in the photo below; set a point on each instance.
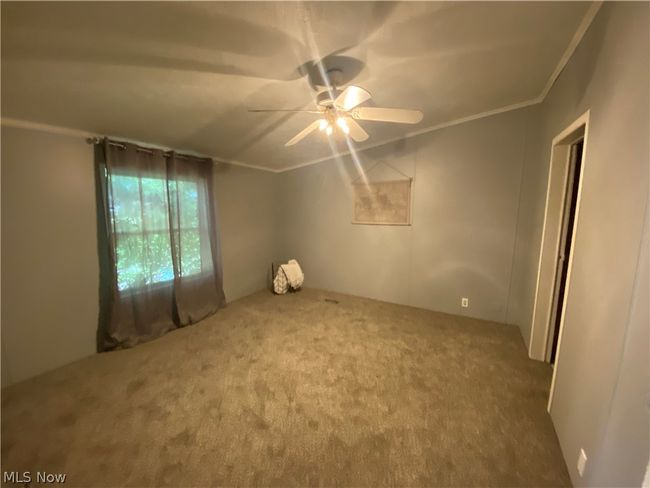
(564, 247)
(561, 220)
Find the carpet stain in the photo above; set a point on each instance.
(306, 389)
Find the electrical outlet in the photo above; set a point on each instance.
(582, 462)
(464, 302)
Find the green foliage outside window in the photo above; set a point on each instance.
(141, 218)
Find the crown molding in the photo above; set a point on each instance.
(50, 129)
(66, 131)
(573, 44)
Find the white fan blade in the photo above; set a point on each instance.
(351, 97)
(397, 115)
(304, 133)
(285, 110)
(356, 131)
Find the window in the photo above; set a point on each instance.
(142, 229)
(190, 233)
(162, 266)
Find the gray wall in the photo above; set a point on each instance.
(49, 246)
(248, 225)
(532, 196)
(624, 451)
(49, 252)
(465, 201)
(607, 74)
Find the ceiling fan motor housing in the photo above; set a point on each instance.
(326, 98)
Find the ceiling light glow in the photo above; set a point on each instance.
(343, 125)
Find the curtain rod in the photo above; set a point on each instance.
(97, 140)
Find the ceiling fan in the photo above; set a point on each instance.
(339, 109)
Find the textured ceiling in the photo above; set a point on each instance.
(184, 74)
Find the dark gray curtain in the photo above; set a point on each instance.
(162, 265)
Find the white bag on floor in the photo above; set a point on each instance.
(288, 277)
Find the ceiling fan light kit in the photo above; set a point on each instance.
(343, 125)
(342, 108)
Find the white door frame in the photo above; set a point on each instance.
(551, 233)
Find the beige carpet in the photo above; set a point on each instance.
(296, 391)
